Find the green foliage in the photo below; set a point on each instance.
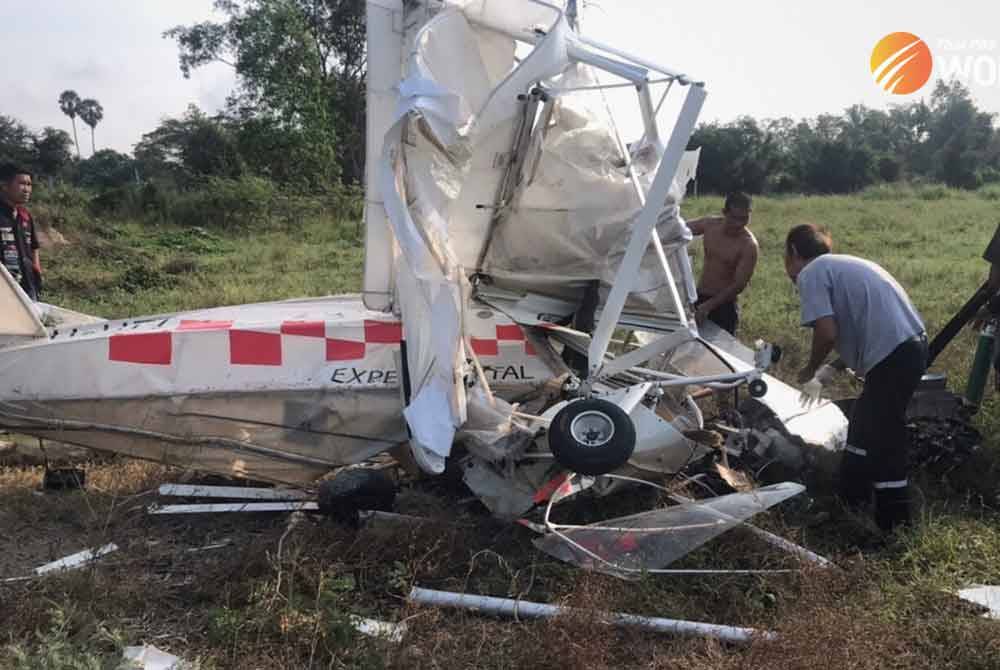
(302, 158)
(52, 151)
(301, 71)
(15, 141)
(224, 203)
(67, 645)
(195, 240)
(958, 135)
(735, 156)
(948, 140)
(106, 169)
(122, 265)
(62, 196)
(184, 150)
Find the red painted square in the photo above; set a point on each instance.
(304, 328)
(344, 350)
(485, 347)
(510, 332)
(247, 347)
(382, 332)
(529, 349)
(149, 348)
(195, 324)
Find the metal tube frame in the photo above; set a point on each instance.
(636, 70)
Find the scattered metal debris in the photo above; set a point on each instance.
(70, 562)
(148, 657)
(237, 492)
(985, 595)
(386, 630)
(76, 560)
(518, 608)
(215, 508)
(211, 547)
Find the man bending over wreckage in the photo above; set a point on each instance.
(730, 259)
(857, 307)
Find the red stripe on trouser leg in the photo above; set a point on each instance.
(344, 350)
(247, 347)
(510, 333)
(383, 332)
(149, 348)
(304, 328)
(485, 347)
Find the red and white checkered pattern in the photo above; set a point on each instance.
(505, 335)
(260, 346)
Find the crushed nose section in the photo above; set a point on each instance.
(822, 425)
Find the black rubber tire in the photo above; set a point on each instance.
(586, 459)
(757, 388)
(350, 491)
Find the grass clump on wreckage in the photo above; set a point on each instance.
(526, 313)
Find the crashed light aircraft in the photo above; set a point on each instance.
(527, 295)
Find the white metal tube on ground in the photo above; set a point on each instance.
(238, 492)
(508, 607)
(216, 508)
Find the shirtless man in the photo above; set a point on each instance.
(730, 259)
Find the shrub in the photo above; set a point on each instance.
(224, 203)
(990, 192)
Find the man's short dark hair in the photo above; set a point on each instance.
(808, 241)
(738, 199)
(10, 170)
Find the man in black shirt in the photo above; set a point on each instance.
(18, 242)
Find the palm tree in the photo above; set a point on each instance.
(91, 113)
(69, 103)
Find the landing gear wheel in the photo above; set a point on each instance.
(592, 436)
(757, 388)
(351, 491)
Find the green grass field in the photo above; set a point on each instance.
(280, 597)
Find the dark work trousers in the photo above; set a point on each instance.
(878, 444)
(726, 315)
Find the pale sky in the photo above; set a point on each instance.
(763, 58)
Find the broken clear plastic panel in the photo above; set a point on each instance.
(647, 542)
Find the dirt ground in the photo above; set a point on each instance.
(278, 590)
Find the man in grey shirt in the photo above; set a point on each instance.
(857, 307)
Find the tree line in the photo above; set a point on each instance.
(297, 120)
(947, 139)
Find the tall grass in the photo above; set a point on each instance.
(283, 247)
(281, 594)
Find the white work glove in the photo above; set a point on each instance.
(812, 390)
